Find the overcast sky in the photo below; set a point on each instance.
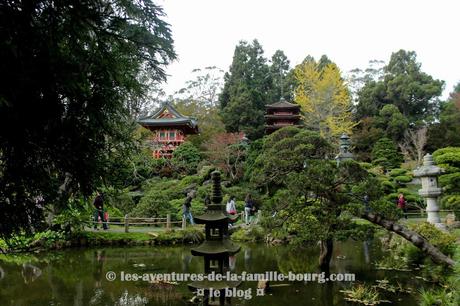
(349, 32)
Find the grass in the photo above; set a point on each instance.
(115, 236)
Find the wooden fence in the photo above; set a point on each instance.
(128, 221)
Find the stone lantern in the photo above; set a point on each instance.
(344, 149)
(428, 173)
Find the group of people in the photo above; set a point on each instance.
(249, 208)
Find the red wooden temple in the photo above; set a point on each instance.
(281, 114)
(169, 128)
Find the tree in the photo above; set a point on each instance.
(392, 122)
(209, 120)
(358, 78)
(324, 99)
(449, 159)
(68, 71)
(414, 92)
(246, 91)
(446, 132)
(186, 158)
(204, 87)
(385, 154)
(227, 151)
(365, 135)
(413, 144)
(315, 199)
(279, 69)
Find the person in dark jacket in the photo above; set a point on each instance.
(186, 213)
(248, 208)
(99, 210)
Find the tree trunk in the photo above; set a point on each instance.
(325, 255)
(411, 236)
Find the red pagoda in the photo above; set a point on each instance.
(281, 114)
(169, 128)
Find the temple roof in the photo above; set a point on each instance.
(283, 104)
(168, 116)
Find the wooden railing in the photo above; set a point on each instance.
(128, 221)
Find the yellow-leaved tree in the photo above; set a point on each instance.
(324, 99)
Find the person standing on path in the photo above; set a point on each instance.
(99, 211)
(402, 204)
(186, 213)
(248, 208)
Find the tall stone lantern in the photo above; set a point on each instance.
(344, 149)
(428, 173)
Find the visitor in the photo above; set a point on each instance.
(207, 200)
(367, 209)
(186, 213)
(248, 208)
(231, 206)
(402, 204)
(99, 211)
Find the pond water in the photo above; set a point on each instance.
(78, 276)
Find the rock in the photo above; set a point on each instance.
(450, 219)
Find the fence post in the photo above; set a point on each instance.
(168, 222)
(184, 222)
(126, 224)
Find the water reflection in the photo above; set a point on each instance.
(78, 276)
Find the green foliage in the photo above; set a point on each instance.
(449, 159)
(74, 217)
(445, 242)
(186, 158)
(80, 65)
(362, 294)
(405, 86)
(386, 154)
(392, 122)
(403, 179)
(250, 234)
(311, 198)
(446, 132)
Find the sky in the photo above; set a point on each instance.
(349, 32)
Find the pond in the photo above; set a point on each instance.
(78, 276)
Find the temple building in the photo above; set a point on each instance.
(169, 128)
(281, 114)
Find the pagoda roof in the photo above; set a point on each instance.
(283, 104)
(168, 116)
(216, 247)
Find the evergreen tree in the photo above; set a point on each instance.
(446, 132)
(68, 70)
(278, 71)
(385, 154)
(392, 122)
(246, 91)
(414, 92)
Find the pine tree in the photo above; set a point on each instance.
(246, 91)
